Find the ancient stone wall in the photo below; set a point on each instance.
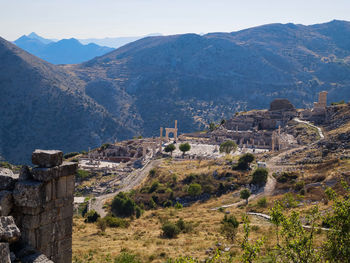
(36, 209)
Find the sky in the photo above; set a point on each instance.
(113, 18)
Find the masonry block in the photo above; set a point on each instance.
(5, 253)
(65, 212)
(29, 236)
(9, 232)
(70, 186)
(29, 194)
(7, 179)
(47, 158)
(68, 168)
(5, 203)
(44, 174)
(31, 221)
(61, 187)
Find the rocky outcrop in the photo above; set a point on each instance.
(36, 211)
(281, 105)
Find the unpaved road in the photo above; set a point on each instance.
(131, 181)
(311, 125)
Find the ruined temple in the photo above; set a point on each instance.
(36, 210)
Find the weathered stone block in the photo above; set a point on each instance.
(70, 185)
(48, 192)
(25, 173)
(37, 258)
(7, 179)
(6, 203)
(29, 236)
(63, 257)
(47, 235)
(9, 232)
(31, 221)
(68, 168)
(66, 212)
(65, 244)
(5, 253)
(65, 227)
(47, 158)
(45, 174)
(61, 187)
(29, 194)
(49, 216)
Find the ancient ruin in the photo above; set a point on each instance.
(168, 131)
(36, 209)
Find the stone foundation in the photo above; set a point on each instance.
(40, 204)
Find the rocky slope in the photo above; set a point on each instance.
(43, 106)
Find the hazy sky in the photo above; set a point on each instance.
(111, 18)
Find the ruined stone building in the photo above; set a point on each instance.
(36, 211)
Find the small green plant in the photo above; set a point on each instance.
(194, 189)
(115, 222)
(262, 202)
(229, 225)
(244, 162)
(69, 155)
(178, 205)
(91, 216)
(244, 194)
(170, 230)
(259, 176)
(101, 224)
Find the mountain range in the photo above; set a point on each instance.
(65, 51)
(149, 83)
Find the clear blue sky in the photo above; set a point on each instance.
(111, 18)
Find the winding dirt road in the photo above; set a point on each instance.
(128, 183)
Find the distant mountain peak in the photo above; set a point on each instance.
(34, 35)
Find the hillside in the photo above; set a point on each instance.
(65, 51)
(43, 106)
(197, 79)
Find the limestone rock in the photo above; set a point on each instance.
(5, 253)
(5, 203)
(36, 258)
(281, 105)
(47, 158)
(47, 174)
(7, 179)
(9, 232)
(25, 173)
(29, 193)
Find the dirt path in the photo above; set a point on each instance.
(311, 125)
(131, 181)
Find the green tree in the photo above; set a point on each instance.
(337, 245)
(194, 189)
(244, 161)
(228, 146)
(123, 205)
(170, 148)
(91, 216)
(184, 147)
(244, 194)
(250, 249)
(260, 176)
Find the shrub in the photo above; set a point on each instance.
(228, 147)
(299, 186)
(152, 172)
(167, 203)
(123, 205)
(82, 174)
(105, 146)
(287, 177)
(178, 205)
(101, 224)
(194, 189)
(229, 227)
(170, 230)
(69, 155)
(115, 222)
(138, 212)
(262, 202)
(91, 216)
(154, 186)
(151, 203)
(260, 176)
(184, 227)
(244, 161)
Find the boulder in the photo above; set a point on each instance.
(5, 203)
(25, 173)
(5, 253)
(9, 232)
(47, 158)
(7, 179)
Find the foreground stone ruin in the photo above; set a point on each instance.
(36, 210)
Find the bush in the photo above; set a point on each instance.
(262, 202)
(101, 224)
(69, 155)
(244, 194)
(115, 222)
(91, 216)
(228, 147)
(82, 174)
(152, 172)
(123, 205)
(287, 177)
(184, 147)
(154, 186)
(299, 186)
(229, 227)
(194, 189)
(178, 205)
(244, 161)
(170, 230)
(138, 212)
(184, 227)
(167, 203)
(260, 176)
